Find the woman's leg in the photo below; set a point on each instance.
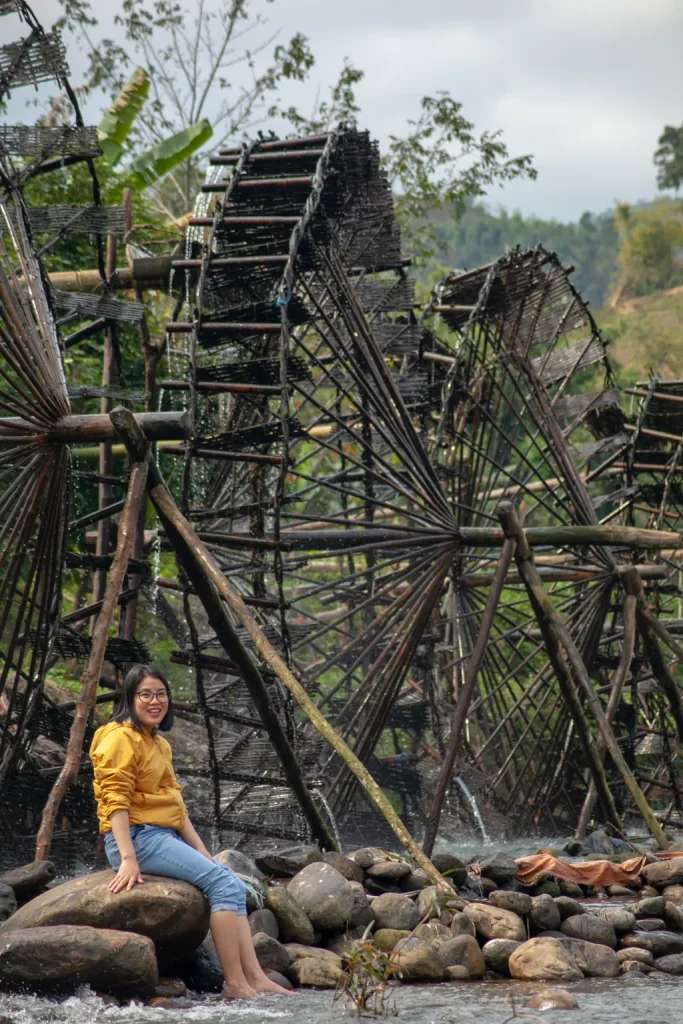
(253, 972)
(161, 851)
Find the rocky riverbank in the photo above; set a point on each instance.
(317, 910)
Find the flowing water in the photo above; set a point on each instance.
(641, 1000)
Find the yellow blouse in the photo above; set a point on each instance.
(134, 773)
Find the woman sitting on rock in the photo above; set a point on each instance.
(146, 826)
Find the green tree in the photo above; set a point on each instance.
(650, 254)
(668, 158)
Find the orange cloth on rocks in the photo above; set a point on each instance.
(588, 872)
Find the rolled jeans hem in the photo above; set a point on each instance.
(161, 851)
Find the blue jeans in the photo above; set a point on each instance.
(161, 851)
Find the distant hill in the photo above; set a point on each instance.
(644, 334)
(589, 244)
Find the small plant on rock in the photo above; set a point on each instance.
(365, 978)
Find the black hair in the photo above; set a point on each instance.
(125, 709)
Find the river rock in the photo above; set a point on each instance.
(543, 959)
(651, 906)
(462, 951)
(367, 856)
(497, 953)
(673, 893)
(264, 920)
(619, 891)
(240, 863)
(343, 945)
(518, 902)
(495, 923)
(171, 988)
(450, 866)
(673, 915)
(548, 887)
(568, 906)
(431, 930)
(570, 889)
(455, 973)
(634, 967)
(417, 960)
(173, 914)
(361, 911)
(392, 871)
(324, 895)
(280, 979)
(672, 964)
(660, 943)
(431, 902)
(29, 879)
(644, 956)
(417, 880)
(386, 938)
(621, 919)
(271, 954)
(8, 902)
(594, 959)
(201, 970)
(293, 924)
(351, 871)
(286, 862)
(297, 951)
(590, 928)
(314, 972)
(58, 956)
(499, 868)
(461, 925)
(650, 924)
(552, 999)
(393, 910)
(664, 872)
(545, 914)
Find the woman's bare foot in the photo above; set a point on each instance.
(265, 984)
(243, 991)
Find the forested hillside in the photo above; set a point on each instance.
(590, 244)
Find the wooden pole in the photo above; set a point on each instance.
(464, 700)
(630, 580)
(545, 616)
(207, 570)
(93, 669)
(550, 621)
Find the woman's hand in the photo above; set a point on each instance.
(127, 877)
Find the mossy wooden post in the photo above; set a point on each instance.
(652, 630)
(632, 584)
(206, 568)
(554, 629)
(127, 530)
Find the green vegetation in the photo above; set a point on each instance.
(668, 158)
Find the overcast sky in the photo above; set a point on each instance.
(584, 85)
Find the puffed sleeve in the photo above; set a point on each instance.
(115, 769)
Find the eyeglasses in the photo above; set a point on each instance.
(147, 696)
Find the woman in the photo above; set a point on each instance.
(146, 826)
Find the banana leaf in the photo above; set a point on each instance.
(115, 126)
(148, 167)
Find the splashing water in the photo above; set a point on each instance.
(475, 809)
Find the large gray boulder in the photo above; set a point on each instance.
(544, 915)
(8, 902)
(29, 879)
(264, 920)
(464, 951)
(271, 954)
(495, 923)
(543, 959)
(325, 896)
(621, 918)
(497, 953)
(592, 958)
(293, 922)
(361, 912)
(64, 956)
(392, 910)
(659, 943)
(672, 964)
(518, 902)
(173, 914)
(351, 871)
(240, 863)
(664, 872)
(451, 867)
(418, 960)
(431, 902)
(499, 868)
(285, 862)
(590, 928)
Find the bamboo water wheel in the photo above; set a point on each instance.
(346, 462)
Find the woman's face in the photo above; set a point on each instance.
(151, 702)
